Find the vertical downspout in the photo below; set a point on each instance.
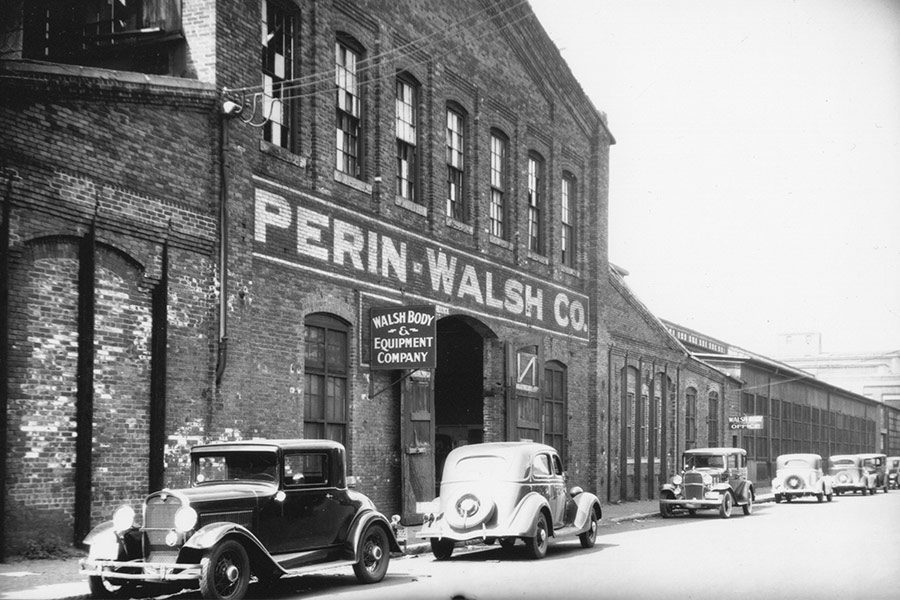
(158, 375)
(624, 415)
(11, 176)
(664, 426)
(222, 357)
(609, 388)
(84, 403)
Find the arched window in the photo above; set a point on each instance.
(712, 420)
(690, 418)
(326, 369)
(554, 405)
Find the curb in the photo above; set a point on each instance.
(761, 499)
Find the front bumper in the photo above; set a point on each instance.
(692, 504)
(139, 570)
(465, 535)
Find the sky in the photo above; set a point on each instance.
(755, 179)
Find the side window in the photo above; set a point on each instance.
(733, 461)
(305, 470)
(541, 465)
(557, 465)
(743, 461)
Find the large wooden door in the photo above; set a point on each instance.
(417, 438)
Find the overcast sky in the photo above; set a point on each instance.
(755, 182)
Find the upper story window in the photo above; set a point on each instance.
(690, 418)
(567, 220)
(456, 208)
(406, 117)
(277, 67)
(498, 210)
(712, 422)
(348, 109)
(535, 204)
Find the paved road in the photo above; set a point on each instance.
(849, 548)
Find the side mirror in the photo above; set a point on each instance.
(352, 481)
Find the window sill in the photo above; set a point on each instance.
(353, 182)
(460, 226)
(282, 154)
(501, 242)
(411, 206)
(538, 258)
(569, 271)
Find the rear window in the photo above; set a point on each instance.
(844, 462)
(481, 467)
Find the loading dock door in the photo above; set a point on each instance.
(417, 439)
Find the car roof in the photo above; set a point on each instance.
(805, 456)
(502, 448)
(870, 455)
(272, 445)
(716, 451)
(842, 456)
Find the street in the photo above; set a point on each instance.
(849, 548)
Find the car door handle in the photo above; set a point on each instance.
(329, 496)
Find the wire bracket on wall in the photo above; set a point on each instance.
(253, 109)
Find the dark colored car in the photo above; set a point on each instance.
(262, 508)
(711, 478)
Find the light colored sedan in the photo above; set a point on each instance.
(506, 491)
(799, 475)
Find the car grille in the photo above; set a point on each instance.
(693, 486)
(159, 519)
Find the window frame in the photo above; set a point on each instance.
(536, 198)
(348, 126)
(690, 418)
(455, 158)
(712, 419)
(498, 213)
(273, 83)
(567, 220)
(327, 323)
(406, 135)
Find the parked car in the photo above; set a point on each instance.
(505, 491)
(849, 475)
(893, 472)
(711, 478)
(265, 508)
(876, 464)
(799, 475)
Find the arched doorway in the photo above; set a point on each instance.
(458, 386)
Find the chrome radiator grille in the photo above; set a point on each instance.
(693, 486)
(159, 518)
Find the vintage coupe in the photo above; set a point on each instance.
(850, 474)
(504, 491)
(893, 472)
(711, 478)
(265, 508)
(799, 475)
(876, 463)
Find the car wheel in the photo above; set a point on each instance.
(820, 497)
(725, 505)
(102, 587)
(777, 498)
(589, 537)
(537, 545)
(226, 573)
(828, 497)
(374, 555)
(442, 549)
(692, 511)
(788, 498)
(507, 542)
(665, 510)
(748, 508)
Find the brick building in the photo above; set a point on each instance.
(204, 200)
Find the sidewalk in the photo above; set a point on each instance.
(58, 578)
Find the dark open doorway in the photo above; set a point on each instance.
(458, 386)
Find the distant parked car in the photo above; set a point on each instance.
(265, 508)
(711, 478)
(505, 491)
(877, 464)
(893, 471)
(799, 475)
(850, 475)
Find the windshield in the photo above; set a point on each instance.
(233, 466)
(703, 461)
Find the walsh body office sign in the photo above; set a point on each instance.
(299, 230)
(403, 337)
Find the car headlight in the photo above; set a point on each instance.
(707, 479)
(676, 479)
(104, 547)
(123, 518)
(185, 519)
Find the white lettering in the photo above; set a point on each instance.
(270, 210)
(392, 259)
(309, 233)
(469, 285)
(348, 240)
(513, 292)
(534, 301)
(441, 273)
(489, 292)
(562, 319)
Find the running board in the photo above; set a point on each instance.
(319, 567)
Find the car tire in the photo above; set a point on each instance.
(820, 497)
(828, 497)
(748, 508)
(442, 548)
(589, 537)
(725, 505)
(226, 573)
(102, 587)
(374, 555)
(537, 545)
(665, 510)
(777, 498)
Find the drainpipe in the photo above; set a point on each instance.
(222, 358)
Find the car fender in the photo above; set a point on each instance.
(524, 519)
(720, 487)
(667, 487)
(743, 492)
(362, 522)
(208, 536)
(97, 531)
(587, 504)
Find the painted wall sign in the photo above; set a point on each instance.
(335, 241)
(403, 337)
(746, 422)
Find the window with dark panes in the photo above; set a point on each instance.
(567, 220)
(712, 420)
(535, 204)
(554, 406)
(277, 67)
(498, 186)
(405, 119)
(306, 469)
(690, 418)
(645, 424)
(327, 375)
(348, 109)
(455, 165)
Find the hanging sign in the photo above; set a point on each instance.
(746, 422)
(403, 337)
